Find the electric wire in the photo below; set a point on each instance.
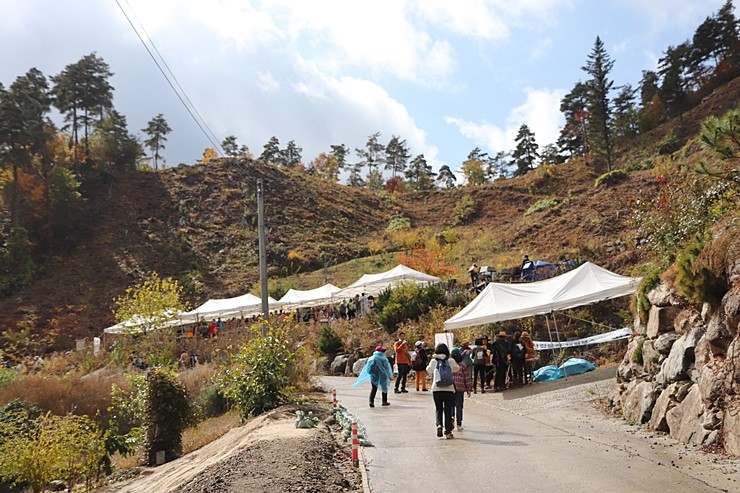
(211, 137)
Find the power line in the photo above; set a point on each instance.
(210, 137)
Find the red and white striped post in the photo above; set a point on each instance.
(355, 446)
(334, 397)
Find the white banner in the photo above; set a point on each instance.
(445, 338)
(614, 335)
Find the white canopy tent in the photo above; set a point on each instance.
(373, 284)
(295, 298)
(244, 305)
(136, 324)
(586, 284)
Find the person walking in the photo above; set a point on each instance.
(501, 356)
(443, 388)
(461, 379)
(481, 356)
(403, 362)
(419, 365)
(518, 354)
(378, 370)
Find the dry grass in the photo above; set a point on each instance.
(198, 378)
(82, 396)
(207, 431)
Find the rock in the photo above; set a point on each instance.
(664, 403)
(685, 321)
(661, 320)
(712, 440)
(684, 420)
(339, 364)
(664, 342)
(719, 333)
(614, 399)
(349, 366)
(637, 402)
(732, 426)
(682, 390)
(324, 364)
(629, 369)
(676, 365)
(650, 358)
(661, 295)
(710, 383)
(639, 327)
(358, 366)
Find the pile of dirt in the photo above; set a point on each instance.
(268, 455)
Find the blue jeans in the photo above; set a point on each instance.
(443, 405)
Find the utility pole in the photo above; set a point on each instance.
(263, 254)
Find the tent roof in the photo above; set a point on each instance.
(137, 323)
(295, 298)
(246, 304)
(375, 283)
(587, 284)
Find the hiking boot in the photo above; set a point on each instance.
(372, 404)
(439, 431)
(386, 403)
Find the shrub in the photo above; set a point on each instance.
(694, 281)
(406, 302)
(465, 209)
(667, 145)
(397, 222)
(637, 355)
(209, 403)
(166, 415)
(640, 166)
(329, 341)
(649, 281)
(610, 178)
(258, 377)
(542, 205)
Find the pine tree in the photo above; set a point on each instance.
(340, 151)
(573, 139)
(271, 151)
(446, 177)
(113, 146)
(673, 68)
(419, 174)
(396, 156)
(599, 86)
(290, 157)
(474, 167)
(230, 147)
(372, 156)
(626, 123)
(157, 130)
(525, 154)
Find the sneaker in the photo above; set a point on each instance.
(439, 431)
(425, 390)
(386, 404)
(372, 404)
(449, 436)
(459, 427)
(404, 391)
(482, 391)
(396, 391)
(475, 391)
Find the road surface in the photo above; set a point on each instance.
(546, 437)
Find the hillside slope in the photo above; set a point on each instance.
(199, 224)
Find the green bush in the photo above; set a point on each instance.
(542, 205)
(696, 282)
(611, 178)
(209, 403)
(465, 209)
(397, 222)
(637, 355)
(166, 414)
(329, 341)
(667, 145)
(649, 281)
(406, 302)
(258, 377)
(640, 166)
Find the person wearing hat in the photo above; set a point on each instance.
(419, 364)
(378, 370)
(529, 358)
(501, 356)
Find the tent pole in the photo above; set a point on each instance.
(557, 333)
(547, 321)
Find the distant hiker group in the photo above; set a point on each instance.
(497, 366)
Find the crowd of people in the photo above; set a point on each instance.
(498, 365)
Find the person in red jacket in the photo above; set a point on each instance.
(403, 361)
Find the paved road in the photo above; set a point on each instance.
(544, 438)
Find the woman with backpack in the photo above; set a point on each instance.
(443, 388)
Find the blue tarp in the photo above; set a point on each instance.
(573, 366)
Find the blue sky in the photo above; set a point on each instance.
(446, 76)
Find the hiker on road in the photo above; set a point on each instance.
(379, 371)
(462, 385)
(420, 366)
(403, 361)
(443, 388)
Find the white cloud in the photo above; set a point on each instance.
(540, 111)
(541, 49)
(662, 15)
(266, 81)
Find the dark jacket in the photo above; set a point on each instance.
(421, 361)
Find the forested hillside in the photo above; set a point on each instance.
(85, 212)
